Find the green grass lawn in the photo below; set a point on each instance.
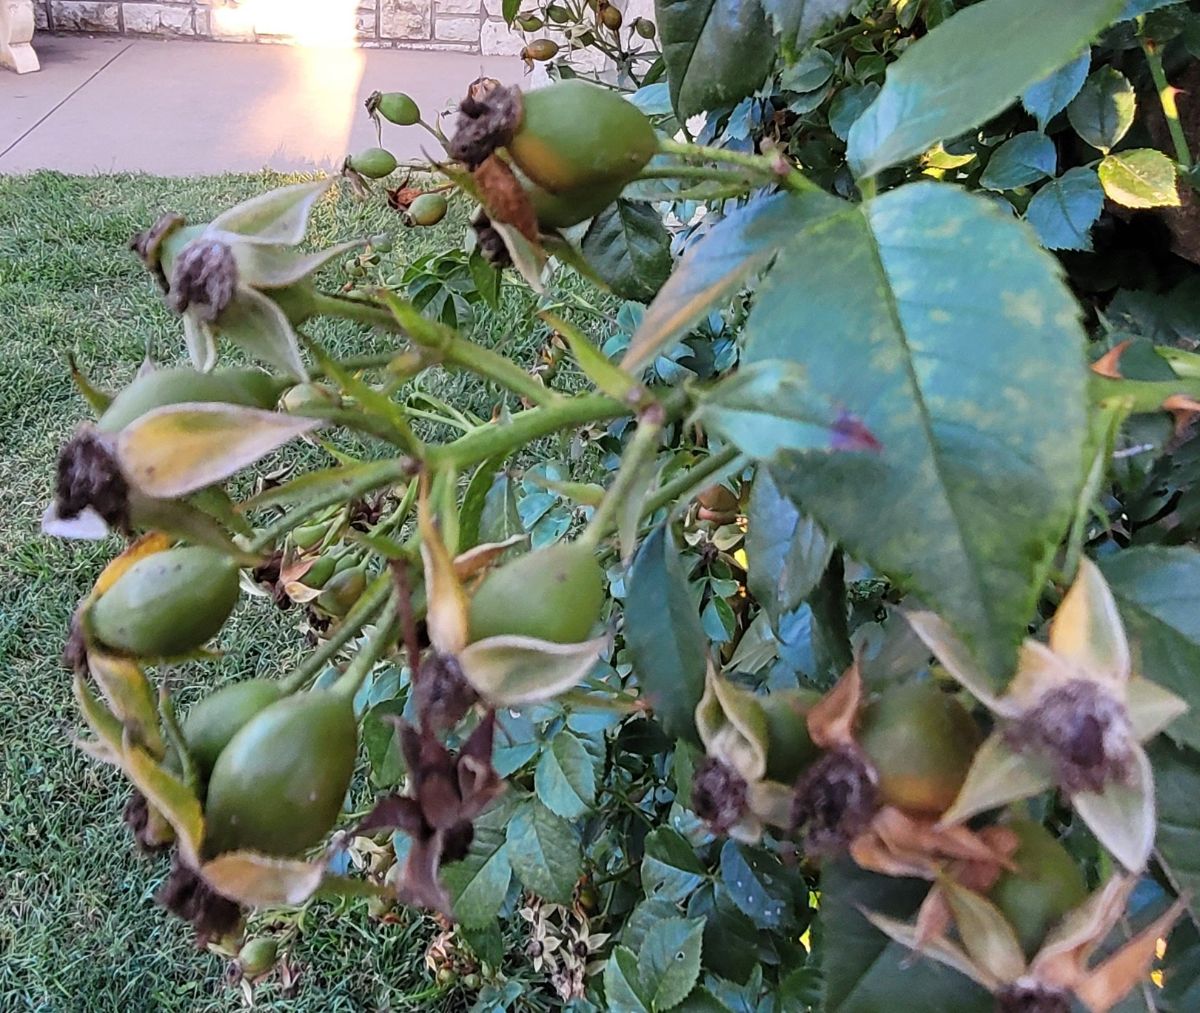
(78, 926)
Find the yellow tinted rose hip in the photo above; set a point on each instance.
(552, 594)
(574, 135)
(167, 604)
(278, 787)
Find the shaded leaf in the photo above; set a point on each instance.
(670, 868)
(565, 778)
(797, 22)
(983, 490)
(1064, 210)
(718, 265)
(669, 961)
(621, 982)
(1177, 844)
(1019, 161)
(628, 247)
(716, 51)
(544, 852)
(478, 885)
(1141, 178)
(177, 449)
(1158, 593)
(663, 634)
(1000, 46)
(1102, 112)
(863, 970)
(1052, 94)
(280, 216)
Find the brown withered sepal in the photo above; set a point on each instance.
(89, 476)
(187, 895)
(136, 816)
(147, 244)
(504, 197)
(834, 800)
(488, 117)
(1085, 732)
(441, 694)
(719, 795)
(204, 279)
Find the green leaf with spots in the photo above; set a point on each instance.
(1103, 111)
(716, 51)
(565, 779)
(930, 316)
(1063, 212)
(669, 961)
(1158, 593)
(544, 852)
(1141, 178)
(758, 884)
(965, 71)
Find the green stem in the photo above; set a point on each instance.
(690, 479)
(1166, 96)
(377, 360)
(388, 473)
(1143, 397)
(452, 349)
(775, 167)
(166, 710)
(384, 637)
(360, 613)
(702, 172)
(502, 438)
(641, 450)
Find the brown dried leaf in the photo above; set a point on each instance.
(1109, 363)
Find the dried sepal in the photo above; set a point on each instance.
(179, 449)
(511, 670)
(940, 949)
(985, 933)
(447, 615)
(279, 217)
(831, 720)
(998, 775)
(262, 881)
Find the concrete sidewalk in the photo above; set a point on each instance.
(191, 108)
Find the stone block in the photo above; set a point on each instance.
(158, 19)
(457, 30)
(80, 16)
(405, 19)
(40, 15)
(458, 7)
(497, 39)
(494, 8)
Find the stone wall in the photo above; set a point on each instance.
(472, 26)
